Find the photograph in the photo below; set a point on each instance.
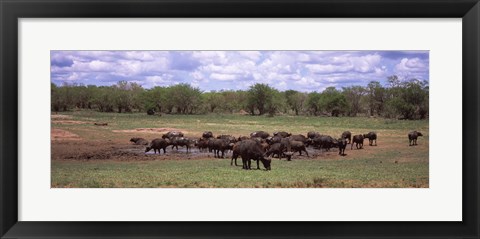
(239, 118)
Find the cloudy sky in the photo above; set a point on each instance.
(234, 70)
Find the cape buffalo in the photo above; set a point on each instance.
(202, 144)
(250, 149)
(172, 134)
(358, 141)
(347, 135)
(220, 146)
(298, 146)
(158, 144)
(150, 112)
(282, 134)
(371, 136)
(139, 141)
(207, 134)
(274, 139)
(312, 134)
(261, 134)
(324, 142)
(181, 141)
(412, 137)
(230, 138)
(342, 144)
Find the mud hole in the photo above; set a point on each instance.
(112, 150)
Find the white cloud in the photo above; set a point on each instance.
(412, 65)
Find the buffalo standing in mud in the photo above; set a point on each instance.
(324, 142)
(412, 137)
(371, 136)
(250, 150)
(139, 141)
(220, 146)
(158, 144)
(181, 141)
(202, 144)
(298, 146)
(279, 150)
(358, 141)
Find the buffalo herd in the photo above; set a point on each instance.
(261, 145)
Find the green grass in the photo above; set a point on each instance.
(219, 173)
(244, 124)
(392, 164)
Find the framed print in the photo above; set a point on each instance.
(239, 119)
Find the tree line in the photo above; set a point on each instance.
(403, 99)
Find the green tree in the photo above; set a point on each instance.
(185, 98)
(260, 96)
(295, 100)
(354, 95)
(333, 101)
(313, 103)
(213, 100)
(376, 97)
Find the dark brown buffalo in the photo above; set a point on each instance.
(182, 142)
(342, 144)
(274, 139)
(282, 149)
(261, 134)
(202, 144)
(139, 141)
(298, 146)
(172, 134)
(242, 138)
(347, 135)
(158, 144)
(230, 138)
(412, 137)
(250, 149)
(371, 136)
(150, 112)
(282, 134)
(312, 135)
(220, 146)
(324, 142)
(207, 134)
(358, 141)
(299, 137)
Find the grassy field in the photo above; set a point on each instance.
(77, 162)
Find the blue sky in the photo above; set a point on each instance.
(304, 71)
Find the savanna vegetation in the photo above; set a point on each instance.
(102, 156)
(398, 99)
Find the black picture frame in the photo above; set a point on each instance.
(11, 11)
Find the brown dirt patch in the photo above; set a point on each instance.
(60, 117)
(69, 122)
(150, 130)
(60, 134)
